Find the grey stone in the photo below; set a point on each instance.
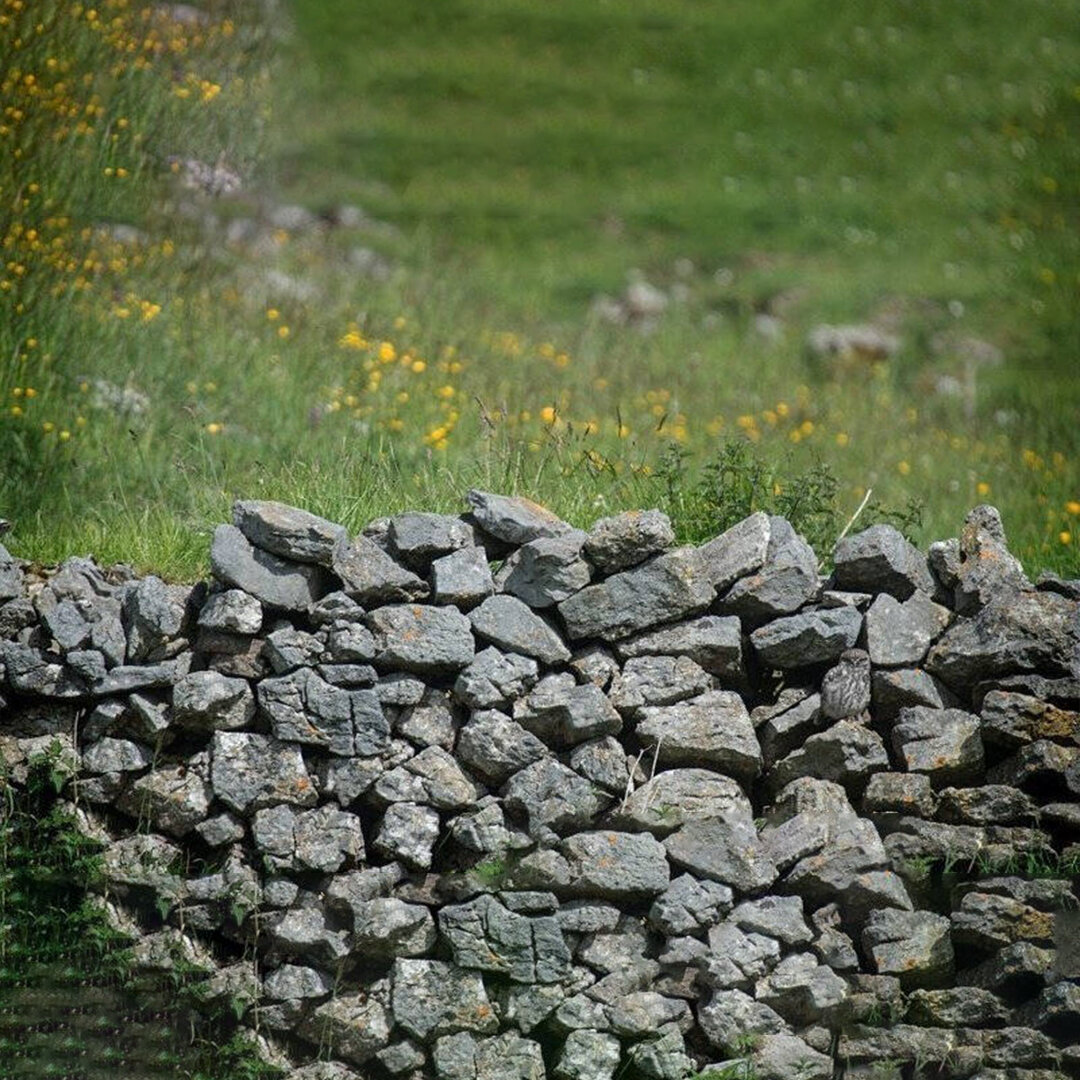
(780, 1056)
(881, 560)
(438, 781)
(1018, 1046)
(986, 568)
(1041, 767)
(346, 779)
(511, 625)
(272, 580)
(689, 906)
(899, 793)
(613, 866)
(603, 762)
(349, 676)
(397, 688)
(417, 538)
(302, 934)
(208, 701)
(563, 713)
(737, 552)
(960, 1006)
(232, 611)
(546, 571)
(580, 1012)
(128, 677)
(1014, 972)
(354, 1026)
(657, 680)
(552, 797)
(462, 578)
(484, 935)
(494, 747)
(676, 796)
(431, 998)
(287, 648)
(220, 830)
(144, 861)
(431, 722)
(712, 729)
(1018, 632)
(802, 990)
(588, 1055)
(370, 576)
(385, 926)
(944, 744)
(1055, 1011)
(666, 588)
(595, 663)
(812, 637)
(30, 671)
(421, 639)
(624, 540)
(933, 1048)
(173, 799)
(845, 688)
(1013, 720)
(408, 832)
(153, 617)
(250, 771)
(915, 946)
(786, 725)
(892, 691)
(991, 804)
(736, 958)
(116, 755)
(786, 580)
(508, 1056)
(730, 1015)
(640, 1014)
(454, 1057)
(286, 531)
(293, 981)
(726, 849)
(232, 654)
(900, 633)
(985, 922)
(526, 1007)
(713, 642)
(494, 678)
(513, 519)
(66, 625)
(335, 607)
(662, 1058)
(401, 1057)
(303, 708)
(780, 917)
(846, 753)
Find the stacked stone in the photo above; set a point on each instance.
(487, 796)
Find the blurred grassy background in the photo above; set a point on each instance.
(768, 168)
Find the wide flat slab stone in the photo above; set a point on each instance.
(274, 581)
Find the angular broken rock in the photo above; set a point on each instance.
(786, 580)
(289, 532)
(552, 797)
(606, 865)
(802, 990)
(675, 796)
(370, 576)
(725, 849)
(737, 552)
(484, 935)
(387, 927)
(304, 708)
(987, 569)
(510, 624)
(513, 519)
(421, 638)
(547, 571)
(729, 1015)
(944, 744)
(588, 1055)
(562, 713)
(619, 542)
(408, 832)
(915, 946)
(667, 587)
(812, 637)
(431, 998)
(233, 611)
(713, 642)
(712, 729)
(273, 581)
(846, 753)
(250, 771)
(494, 746)
(174, 799)
(657, 680)
(462, 578)
(1012, 720)
(900, 633)
(881, 560)
(208, 701)
(417, 538)
(356, 1025)
(689, 906)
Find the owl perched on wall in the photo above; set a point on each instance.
(845, 690)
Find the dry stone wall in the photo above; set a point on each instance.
(486, 797)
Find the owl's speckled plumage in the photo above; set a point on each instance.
(845, 690)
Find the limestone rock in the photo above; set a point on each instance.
(619, 542)
(915, 946)
(881, 560)
(417, 538)
(354, 1026)
(944, 744)
(431, 998)
(726, 849)
(208, 701)
(272, 580)
(494, 746)
(547, 571)
(787, 579)
(812, 637)
(462, 578)
(370, 576)
(289, 532)
(512, 626)
(513, 519)
(736, 552)
(232, 611)
(713, 642)
(250, 771)
(900, 633)
(421, 638)
(563, 713)
(675, 796)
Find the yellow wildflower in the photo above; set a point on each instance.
(903, 468)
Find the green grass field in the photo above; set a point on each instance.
(769, 168)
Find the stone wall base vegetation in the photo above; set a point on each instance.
(488, 797)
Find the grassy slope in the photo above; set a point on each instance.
(905, 158)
